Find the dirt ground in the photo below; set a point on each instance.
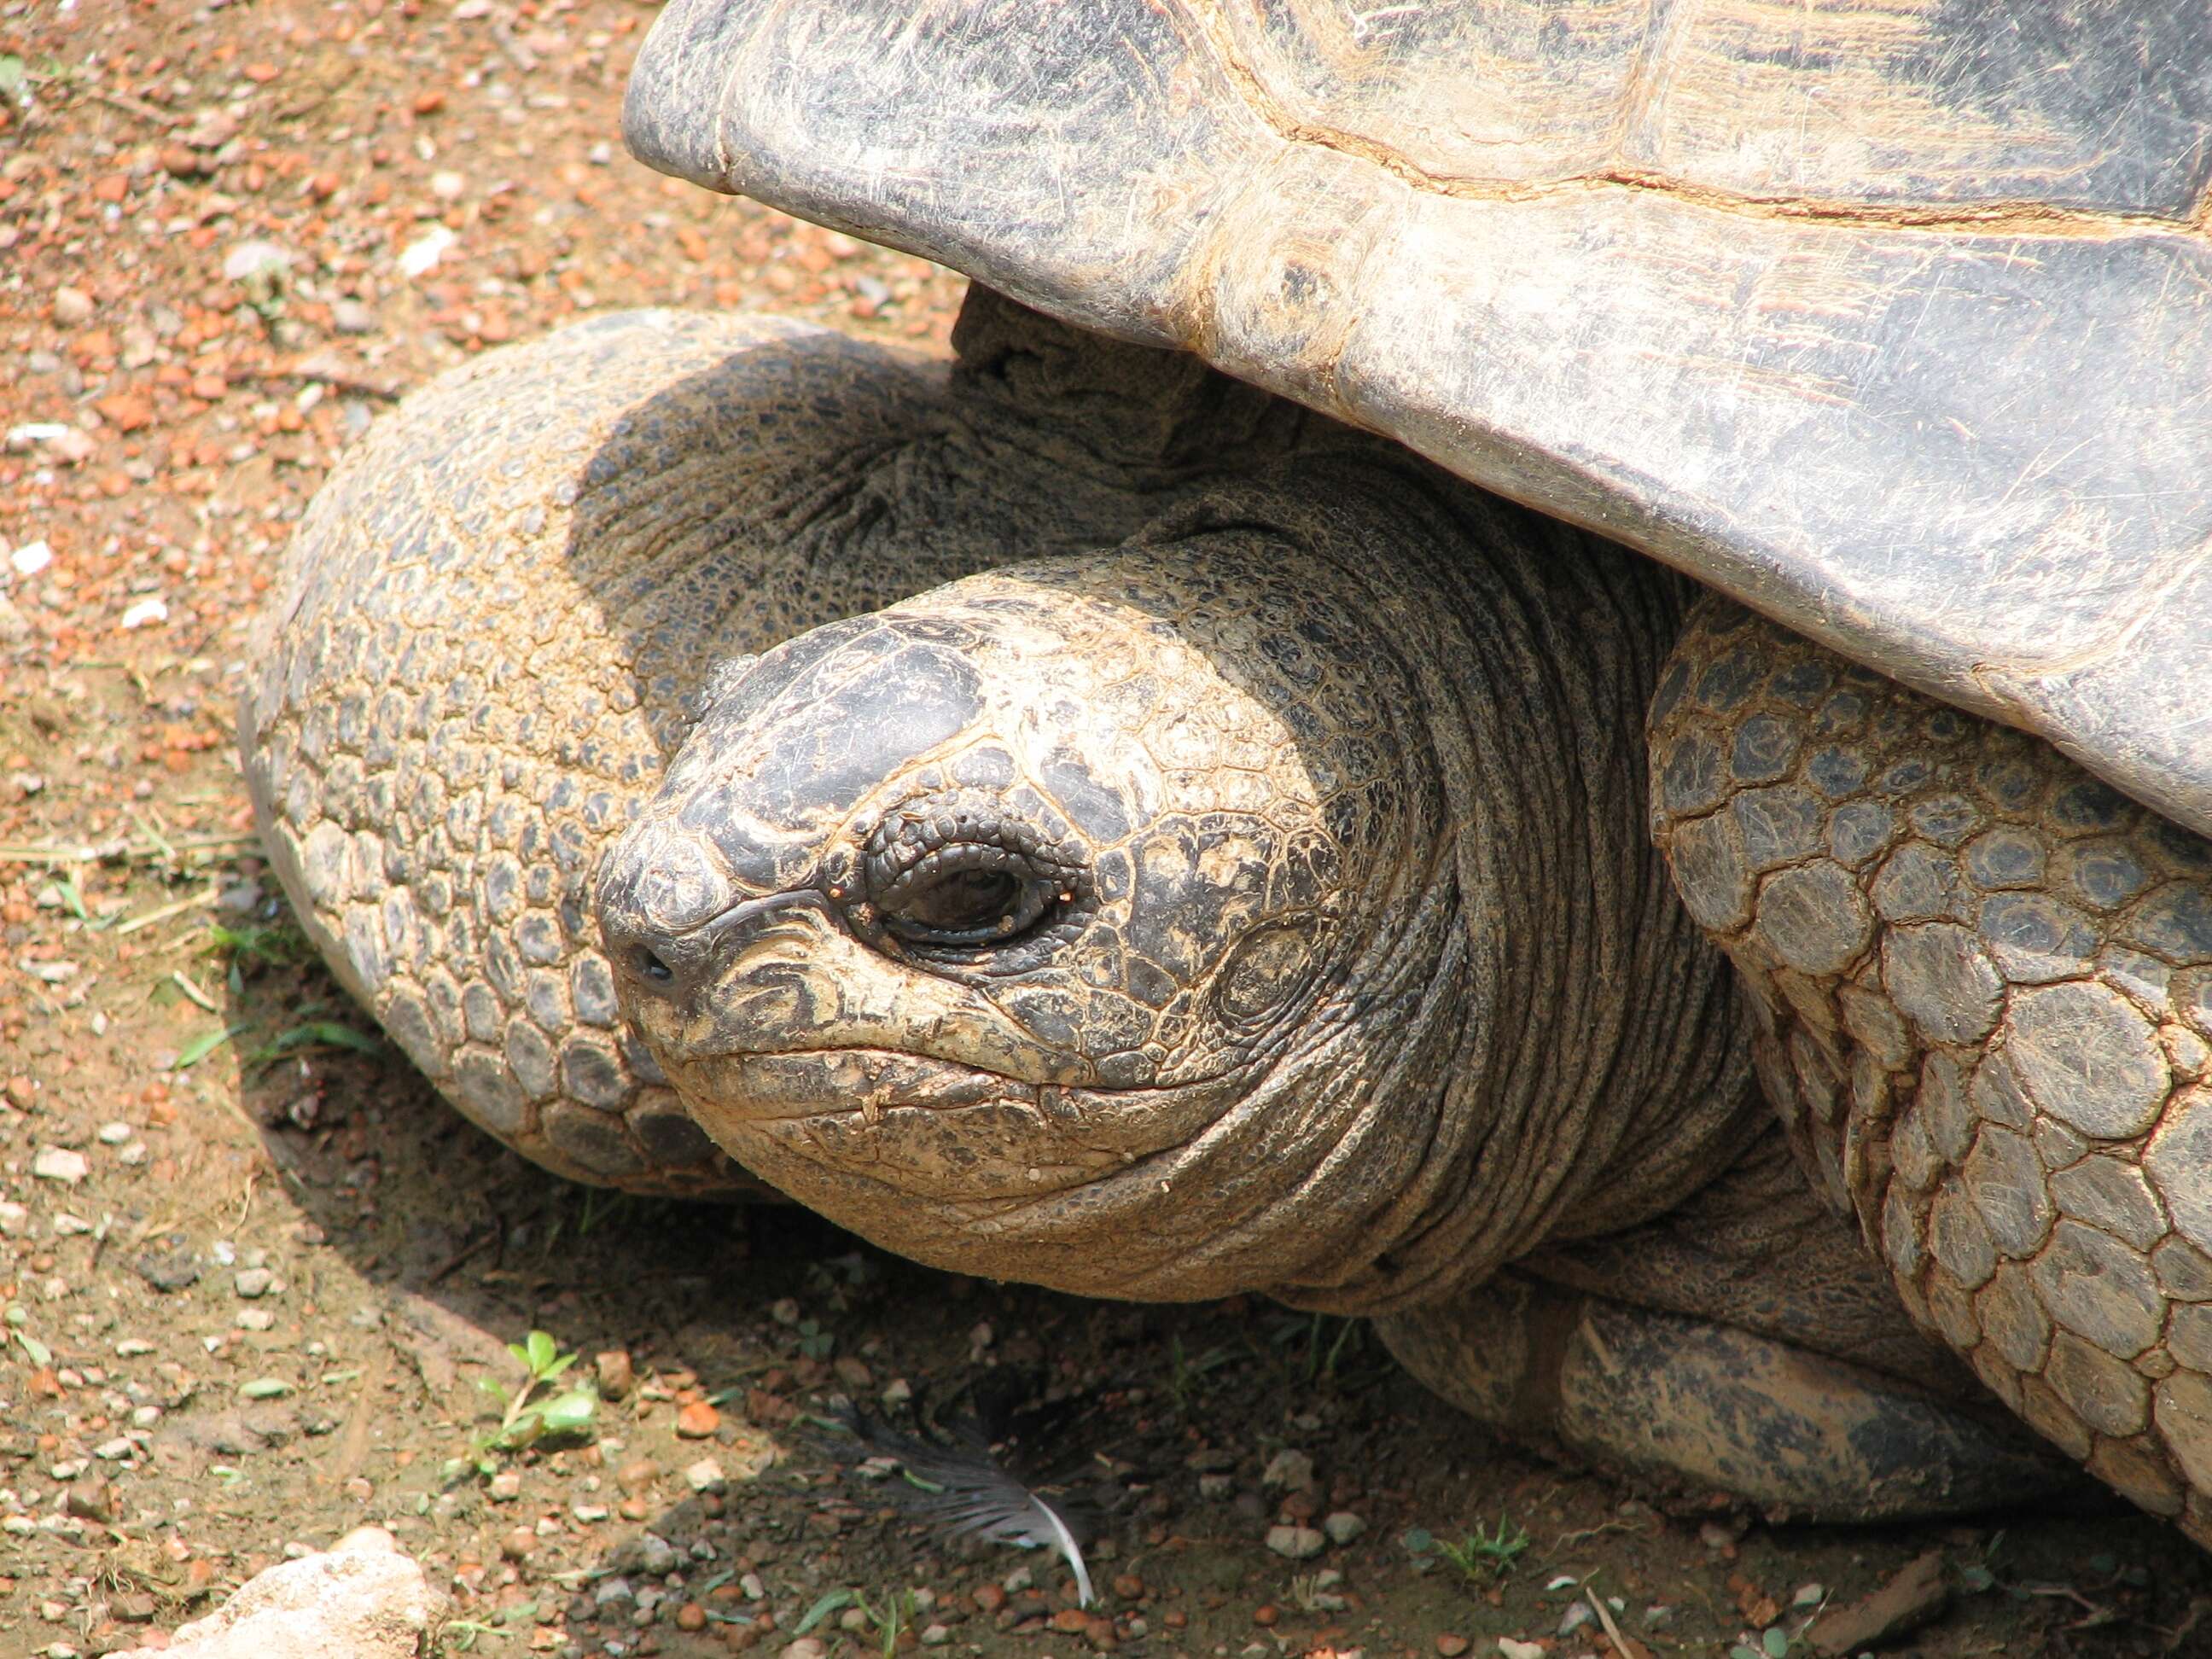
(253, 1273)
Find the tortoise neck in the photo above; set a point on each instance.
(1581, 1063)
(1080, 399)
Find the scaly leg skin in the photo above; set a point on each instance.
(1986, 980)
(1744, 1343)
(498, 612)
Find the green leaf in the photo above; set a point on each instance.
(314, 1033)
(839, 1599)
(521, 1354)
(205, 1044)
(1739, 1651)
(264, 1388)
(493, 1387)
(543, 1350)
(1419, 1540)
(559, 1365)
(11, 75)
(40, 1353)
(1776, 1643)
(570, 1413)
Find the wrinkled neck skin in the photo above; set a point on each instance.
(1355, 974)
(1083, 406)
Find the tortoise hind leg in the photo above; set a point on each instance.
(1743, 1343)
(1986, 980)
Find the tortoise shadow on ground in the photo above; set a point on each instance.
(454, 1246)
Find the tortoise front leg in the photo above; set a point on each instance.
(1986, 980)
(1744, 1343)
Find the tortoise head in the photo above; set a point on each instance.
(1062, 923)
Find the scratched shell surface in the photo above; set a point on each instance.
(1891, 320)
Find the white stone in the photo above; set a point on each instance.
(362, 1599)
(423, 254)
(60, 1164)
(1289, 1468)
(251, 259)
(704, 1475)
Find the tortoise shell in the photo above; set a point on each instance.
(1888, 317)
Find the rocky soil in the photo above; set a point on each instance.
(254, 1279)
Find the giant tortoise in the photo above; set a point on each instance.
(1159, 806)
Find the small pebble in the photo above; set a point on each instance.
(114, 1134)
(613, 1372)
(705, 1475)
(72, 306)
(1451, 1643)
(60, 1164)
(1290, 1469)
(1296, 1543)
(697, 1420)
(254, 1283)
(1343, 1527)
(935, 1636)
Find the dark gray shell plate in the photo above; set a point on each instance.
(1895, 322)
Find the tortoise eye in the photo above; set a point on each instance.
(964, 877)
(970, 898)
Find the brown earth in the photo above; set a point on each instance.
(250, 1283)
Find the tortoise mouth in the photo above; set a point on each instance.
(861, 1084)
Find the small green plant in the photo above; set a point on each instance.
(531, 1412)
(1322, 1349)
(462, 1635)
(1485, 1554)
(313, 1033)
(1185, 1372)
(258, 945)
(815, 1342)
(1774, 1642)
(896, 1616)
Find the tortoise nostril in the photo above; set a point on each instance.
(652, 967)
